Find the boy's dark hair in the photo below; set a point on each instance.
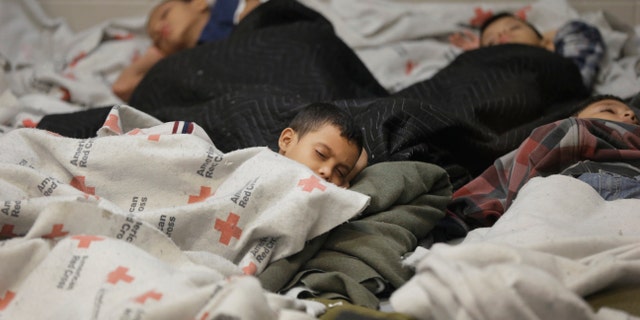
(505, 14)
(593, 99)
(318, 114)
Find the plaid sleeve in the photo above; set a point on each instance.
(583, 44)
(548, 150)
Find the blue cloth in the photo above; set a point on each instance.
(613, 186)
(583, 44)
(221, 22)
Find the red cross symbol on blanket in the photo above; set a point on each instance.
(85, 241)
(112, 123)
(28, 123)
(409, 66)
(311, 183)
(522, 13)
(4, 302)
(228, 229)
(151, 294)
(250, 269)
(205, 192)
(81, 55)
(56, 231)
(119, 274)
(78, 183)
(7, 231)
(480, 17)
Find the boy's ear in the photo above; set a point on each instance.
(200, 5)
(286, 138)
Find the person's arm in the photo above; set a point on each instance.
(465, 40)
(132, 75)
(582, 43)
(249, 5)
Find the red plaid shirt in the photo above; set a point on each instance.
(549, 149)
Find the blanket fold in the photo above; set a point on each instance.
(557, 246)
(361, 260)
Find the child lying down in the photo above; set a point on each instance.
(599, 145)
(98, 212)
(177, 25)
(249, 206)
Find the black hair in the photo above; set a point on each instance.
(593, 99)
(505, 14)
(318, 114)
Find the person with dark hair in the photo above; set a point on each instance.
(600, 146)
(576, 40)
(505, 27)
(607, 107)
(326, 139)
(176, 25)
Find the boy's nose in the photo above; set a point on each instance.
(324, 173)
(503, 37)
(632, 117)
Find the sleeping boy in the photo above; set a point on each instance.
(250, 206)
(606, 107)
(576, 40)
(326, 139)
(176, 25)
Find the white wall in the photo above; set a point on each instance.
(81, 14)
(85, 13)
(626, 10)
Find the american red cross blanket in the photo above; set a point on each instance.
(117, 219)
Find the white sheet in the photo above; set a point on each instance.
(50, 69)
(558, 242)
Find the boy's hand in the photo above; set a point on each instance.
(148, 58)
(248, 7)
(547, 40)
(362, 162)
(465, 40)
(132, 75)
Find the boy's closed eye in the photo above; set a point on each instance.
(320, 154)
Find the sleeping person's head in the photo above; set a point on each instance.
(175, 25)
(507, 28)
(607, 107)
(326, 139)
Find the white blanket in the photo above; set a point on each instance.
(51, 69)
(47, 68)
(150, 221)
(558, 242)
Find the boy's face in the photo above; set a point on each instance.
(509, 30)
(609, 109)
(324, 151)
(174, 25)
